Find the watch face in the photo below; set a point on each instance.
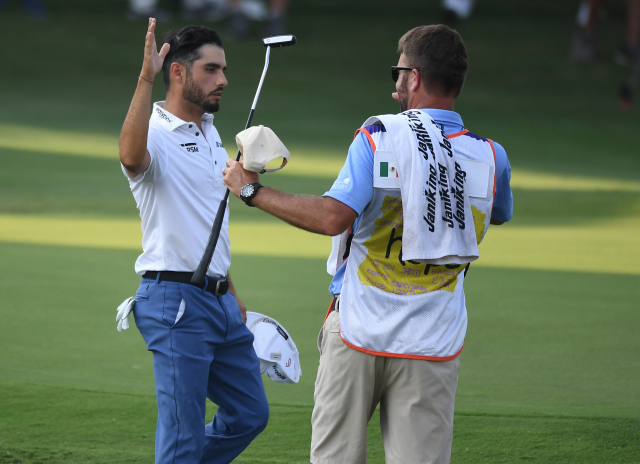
(247, 190)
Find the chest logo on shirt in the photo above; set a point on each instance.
(190, 147)
(219, 145)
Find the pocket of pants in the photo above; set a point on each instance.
(334, 328)
(174, 306)
(329, 332)
(320, 337)
(142, 293)
(141, 296)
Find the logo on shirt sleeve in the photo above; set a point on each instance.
(190, 147)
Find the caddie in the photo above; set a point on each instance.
(407, 212)
(200, 344)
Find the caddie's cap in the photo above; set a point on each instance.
(259, 145)
(274, 346)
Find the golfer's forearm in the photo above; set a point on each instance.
(314, 214)
(133, 138)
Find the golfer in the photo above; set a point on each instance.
(200, 344)
(396, 325)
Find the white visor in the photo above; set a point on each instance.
(279, 359)
(259, 146)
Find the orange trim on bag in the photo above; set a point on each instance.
(329, 310)
(457, 134)
(406, 356)
(366, 132)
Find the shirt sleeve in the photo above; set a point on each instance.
(503, 201)
(354, 185)
(152, 172)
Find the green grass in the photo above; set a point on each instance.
(550, 367)
(126, 424)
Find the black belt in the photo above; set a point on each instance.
(216, 285)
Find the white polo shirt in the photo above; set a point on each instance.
(179, 194)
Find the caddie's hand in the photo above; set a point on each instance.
(236, 176)
(153, 60)
(122, 318)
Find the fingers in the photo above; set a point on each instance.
(164, 50)
(231, 163)
(152, 25)
(235, 176)
(151, 38)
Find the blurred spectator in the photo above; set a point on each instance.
(240, 11)
(202, 10)
(456, 9)
(33, 7)
(629, 52)
(583, 49)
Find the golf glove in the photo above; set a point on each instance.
(123, 313)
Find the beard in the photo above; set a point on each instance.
(403, 93)
(194, 94)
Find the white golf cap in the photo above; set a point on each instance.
(274, 346)
(259, 145)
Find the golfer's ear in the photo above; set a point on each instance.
(177, 73)
(415, 80)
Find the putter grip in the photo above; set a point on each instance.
(201, 271)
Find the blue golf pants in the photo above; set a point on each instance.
(201, 349)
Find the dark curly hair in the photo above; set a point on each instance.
(185, 47)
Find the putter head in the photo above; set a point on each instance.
(279, 41)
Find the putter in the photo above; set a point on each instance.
(201, 271)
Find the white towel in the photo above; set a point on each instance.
(438, 222)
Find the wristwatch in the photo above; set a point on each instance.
(249, 191)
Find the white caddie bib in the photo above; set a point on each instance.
(393, 307)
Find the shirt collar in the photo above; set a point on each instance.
(171, 122)
(450, 121)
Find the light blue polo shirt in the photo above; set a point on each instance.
(358, 168)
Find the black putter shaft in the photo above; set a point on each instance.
(205, 261)
(199, 274)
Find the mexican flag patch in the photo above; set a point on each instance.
(388, 169)
(385, 171)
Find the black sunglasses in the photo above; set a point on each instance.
(395, 71)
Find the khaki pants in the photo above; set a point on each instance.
(416, 400)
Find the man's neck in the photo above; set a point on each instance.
(184, 110)
(436, 102)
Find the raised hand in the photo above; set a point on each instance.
(153, 60)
